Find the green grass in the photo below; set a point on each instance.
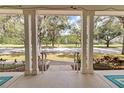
(74, 46)
(56, 57)
(43, 46)
(61, 57)
(12, 57)
(11, 46)
(111, 46)
(61, 46)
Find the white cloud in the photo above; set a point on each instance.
(74, 19)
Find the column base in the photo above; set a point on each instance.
(27, 73)
(83, 71)
(35, 72)
(90, 71)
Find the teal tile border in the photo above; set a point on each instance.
(4, 79)
(113, 78)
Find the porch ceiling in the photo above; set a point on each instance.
(100, 10)
(87, 7)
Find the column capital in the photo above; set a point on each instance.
(84, 13)
(29, 11)
(91, 13)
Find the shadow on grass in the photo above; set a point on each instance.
(110, 46)
(16, 54)
(66, 55)
(13, 54)
(106, 47)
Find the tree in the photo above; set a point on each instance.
(76, 31)
(121, 18)
(12, 29)
(50, 27)
(97, 23)
(108, 29)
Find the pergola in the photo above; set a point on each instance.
(87, 14)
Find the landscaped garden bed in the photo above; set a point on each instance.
(108, 63)
(103, 63)
(100, 62)
(12, 68)
(18, 66)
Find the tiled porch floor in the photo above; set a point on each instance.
(62, 79)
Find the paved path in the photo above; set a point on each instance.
(11, 50)
(60, 68)
(11, 62)
(108, 50)
(62, 50)
(53, 62)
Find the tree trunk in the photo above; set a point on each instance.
(52, 43)
(46, 44)
(123, 45)
(53, 38)
(123, 42)
(107, 43)
(58, 43)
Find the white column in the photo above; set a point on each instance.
(90, 29)
(27, 28)
(83, 41)
(35, 68)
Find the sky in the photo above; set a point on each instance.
(72, 20)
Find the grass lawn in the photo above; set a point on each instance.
(74, 46)
(111, 46)
(61, 46)
(61, 57)
(12, 57)
(11, 46)
(56, 57)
